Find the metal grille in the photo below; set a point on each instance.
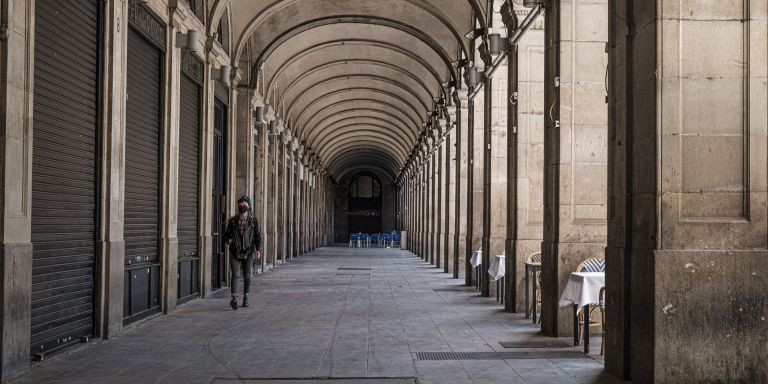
(457, 288)
(189, 196)
(550, 343)
(64, 169)
(549, 355)
(408, 380)
(353, 269)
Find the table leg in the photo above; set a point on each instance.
(535, 308)
(527, 292)
(502, 290)
(575, 324)
(498, 290)
(586, 328)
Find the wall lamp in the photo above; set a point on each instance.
(272, 127)
(474, 33)
(448, 84)
(188, 41)
(258, 114)
(497, 44)
(221, 74)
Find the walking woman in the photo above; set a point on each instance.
(244, 239)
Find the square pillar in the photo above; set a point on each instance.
(687, 242)
(575, 173)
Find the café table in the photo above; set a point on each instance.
(476, 261)
(497, 270)
(581, 291)
(531, 269)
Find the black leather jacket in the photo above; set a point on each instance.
(249, 242)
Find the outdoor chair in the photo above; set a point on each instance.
(595, 264)
(395, 239)
(602, 316)
(385, 240)
(354, 240)
(532, 259)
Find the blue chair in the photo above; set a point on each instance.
(376, 238)
(395, 239)
(386, 240)
(365, 240)
(354, 239)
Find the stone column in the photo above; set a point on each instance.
(575, 150)
(289, 199)
(449, 196)
(16, 101)
(436, 209)
(525, 159)
(421, 218)
(687, 240)
(429, 194)
(461, 267)
(495, 185)
(261, 189)
(109, 319)
(282, 203)
(296, 199)
(477, 163)
(169, 242)
(274, 211)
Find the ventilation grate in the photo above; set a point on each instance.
(548, 355)
(353, 269)
(310, 380)
(546, 343)
(458, 288)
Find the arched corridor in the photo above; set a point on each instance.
(509, 170)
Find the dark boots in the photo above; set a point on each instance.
(245, 300)
(233, 302)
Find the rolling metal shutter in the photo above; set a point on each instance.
(64, 172)
(218, 259)
(189, 186)
(142, 176)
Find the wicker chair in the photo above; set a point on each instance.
(535, 258)
(602, 316)
(595, 264)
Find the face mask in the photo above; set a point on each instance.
(242, 209)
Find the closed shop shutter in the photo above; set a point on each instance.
(218, 259)
(142, 177)
(64, 172)
(189, 186)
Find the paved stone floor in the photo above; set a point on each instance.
(308, 319)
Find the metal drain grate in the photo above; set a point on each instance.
(408, 380)
(548, 355)
(547, 343)
(459, 288)
(353, 269)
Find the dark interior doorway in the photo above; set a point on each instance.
(364, 211)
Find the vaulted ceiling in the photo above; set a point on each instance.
(355, 81)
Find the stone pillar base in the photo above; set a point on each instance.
(16, 272)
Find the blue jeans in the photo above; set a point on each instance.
(240, 268)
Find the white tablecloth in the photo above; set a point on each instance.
(477, 259)
(497, 268)
(583, 288)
